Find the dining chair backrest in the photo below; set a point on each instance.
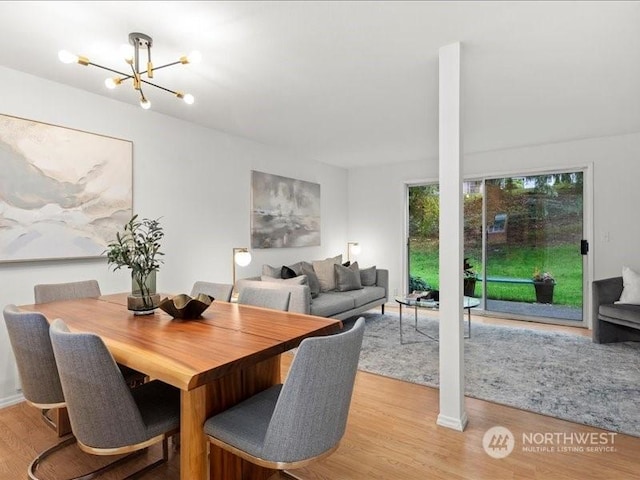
(51, 292)
(311, 413)
(291, 425)
(219, 291)
(101, 407)
(265, 297)
(31, 345)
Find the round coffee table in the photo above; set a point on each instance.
(405, 301)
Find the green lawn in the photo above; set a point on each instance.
(563, 261)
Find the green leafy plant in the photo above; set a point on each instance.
(544, 277)
(417, 284)
(468, 270)
(138, 248)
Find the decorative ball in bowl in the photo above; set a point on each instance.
(185, 307)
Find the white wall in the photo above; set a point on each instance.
(196, 179)
(379, 193)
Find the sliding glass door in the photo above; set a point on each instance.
(522, 241)
(533, 262)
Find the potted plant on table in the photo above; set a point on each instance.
(470, 278)
(544, 284)
(138, 248)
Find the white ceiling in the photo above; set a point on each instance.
(356, 83)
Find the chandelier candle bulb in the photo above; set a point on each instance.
(112, 83)
(66, 56)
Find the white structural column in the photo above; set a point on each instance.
(452, 412)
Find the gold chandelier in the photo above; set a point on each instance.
(131, 53)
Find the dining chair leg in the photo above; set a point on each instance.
(33, 466)
(57, 419)
(151, 466)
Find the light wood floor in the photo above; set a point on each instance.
(391, 435)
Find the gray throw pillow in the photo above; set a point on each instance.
(347, 278)
(269, 271)
(368, 276)
(325, 272)
(314, 283)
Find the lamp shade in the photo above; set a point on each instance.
(242, 258)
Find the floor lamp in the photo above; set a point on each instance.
(242, 258)
(353, 247)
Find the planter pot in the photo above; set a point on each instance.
(544, 292)
(143, 299)
(469, 287)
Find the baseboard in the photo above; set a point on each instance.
(458, 424)
(12, 400)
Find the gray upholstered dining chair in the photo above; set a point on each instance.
(107, 417)
(219, 291)
(51, 292)
(31, 345)
(264, 297)
(289, 426)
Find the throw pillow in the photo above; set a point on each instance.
(287, 272)
(346, 264)
(314, 283)
(347, 278)
(630, 286)
(269, 271)
(296, 267)
(325, 272)
(368, 276)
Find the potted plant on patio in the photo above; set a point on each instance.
(544, 284)
(470, 278)
(137, 248)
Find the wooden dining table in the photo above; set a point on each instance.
(230, 353)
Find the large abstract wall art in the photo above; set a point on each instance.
(285, 212)
(64, 193)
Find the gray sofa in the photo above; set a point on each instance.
(333, 304)
(613, 322)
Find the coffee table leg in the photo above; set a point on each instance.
(401, 342)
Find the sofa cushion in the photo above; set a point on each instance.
(347, 278)
(365, 295)
(368, 276)
(622, 311)
(631, 286)
(331, 303)
(325, 272)
(314, 283)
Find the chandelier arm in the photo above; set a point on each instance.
(158, 86)
(126, 76)
(167, 65)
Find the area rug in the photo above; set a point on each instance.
(555, 374)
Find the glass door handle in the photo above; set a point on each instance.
(584, 247)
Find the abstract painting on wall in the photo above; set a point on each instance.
(285, 212)
(64, 193)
